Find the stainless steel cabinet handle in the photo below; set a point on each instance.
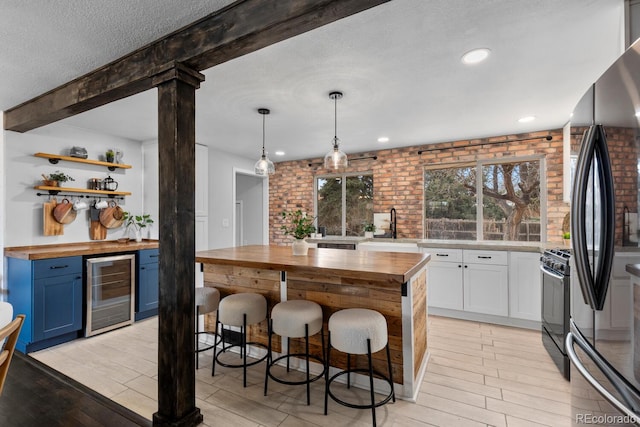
(442, 254)
(55, 267)
(154, 256)
(484, 257)
(574, 337)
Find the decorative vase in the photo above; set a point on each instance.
(368, 234)
(300, 247)
(138, 236)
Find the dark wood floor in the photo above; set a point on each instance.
(36, 395)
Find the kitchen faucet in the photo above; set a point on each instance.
(393, 223)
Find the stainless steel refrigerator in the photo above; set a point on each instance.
(604, 339)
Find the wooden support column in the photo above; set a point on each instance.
(176, 313)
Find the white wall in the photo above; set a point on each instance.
(3, 197)
(23, 208)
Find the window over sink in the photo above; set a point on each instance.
(486, 200)
(344, 203)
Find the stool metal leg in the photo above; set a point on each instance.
(373, 398)
(269, 356)
(326, 374)
(215, 344)
(306, 337)
(198, 336)
(244, 348)
(393, 391)
(288, 352)
(348, 370)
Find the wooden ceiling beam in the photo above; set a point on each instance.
(238, 29)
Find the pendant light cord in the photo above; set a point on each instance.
(335, 120)
(263, 120)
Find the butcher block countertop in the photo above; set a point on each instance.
(392, 266)
(75, 249)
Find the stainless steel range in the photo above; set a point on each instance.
(554, 265)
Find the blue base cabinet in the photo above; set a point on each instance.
(147, 284)
(49, 293)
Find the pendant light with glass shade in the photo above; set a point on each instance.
(336, 158)
(264, 166)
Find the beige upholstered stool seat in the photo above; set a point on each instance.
(289, 318)
(295, 319)
(240, 310)
(233, 308)
(358, 331)
(207, 301)
(351, 328)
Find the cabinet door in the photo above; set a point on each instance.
(486, 289)
(148, 287)
(524, 286)
(444, 285)
(57, 306)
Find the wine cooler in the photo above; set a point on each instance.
(110, 293)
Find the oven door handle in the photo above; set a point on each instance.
(575, 337)
(551, 273)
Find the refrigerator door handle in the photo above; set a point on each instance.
(594, 152)
(626, 390)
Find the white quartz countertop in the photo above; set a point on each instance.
(453, 244)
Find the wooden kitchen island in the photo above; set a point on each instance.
(393, 284)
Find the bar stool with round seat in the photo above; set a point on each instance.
(207, 301)
(295, 319)
(239, 310)
(358, 331)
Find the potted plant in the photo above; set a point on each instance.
(369, 228)
(54, 179)
(298, 225)
(137, 223)
(110, 155)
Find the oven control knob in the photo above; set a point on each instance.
(558, 266)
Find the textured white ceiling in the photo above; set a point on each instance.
(397, 64)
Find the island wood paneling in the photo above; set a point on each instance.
(419, 296)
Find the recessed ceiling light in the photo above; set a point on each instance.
(279, 153)
(475, 56)
(526, 119)
(383, 139)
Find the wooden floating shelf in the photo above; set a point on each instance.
(54, 158)
(56, 190)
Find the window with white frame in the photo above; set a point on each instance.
(486, 200)
(344, 203)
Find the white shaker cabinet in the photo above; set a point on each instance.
(524, 286)
(444, 282)
(486, 282)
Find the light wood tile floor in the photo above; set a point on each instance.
(478, 375)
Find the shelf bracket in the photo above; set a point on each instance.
(54, 161)
(111, 168)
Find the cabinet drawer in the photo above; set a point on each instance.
(148, 256)
(57, 267)
(443, 254)
(485, 257)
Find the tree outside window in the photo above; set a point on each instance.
(344, 204)
(504, 198)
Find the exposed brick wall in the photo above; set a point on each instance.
(398, 178)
